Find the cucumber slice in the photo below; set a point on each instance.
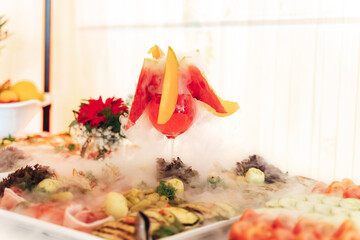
(322, 208)
(350, 203)
(274, 203)
(314, 216)
(332, 201)
(315, 197)
(184, 216)
(287, 202)
(335, 220)
(355, 216)
(305, 206)
(338, 211)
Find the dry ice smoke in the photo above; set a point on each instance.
(212, 146)
(209, 140)
(11, 158)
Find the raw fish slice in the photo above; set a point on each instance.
(75, 218)
(10, 199)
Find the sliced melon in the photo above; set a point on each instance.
(202, 91)
(156, 52)
(170, 88)
(230, 107)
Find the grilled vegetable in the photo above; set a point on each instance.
(226, 210)
(117, 230)
(155, 216)
(161, 223)
(141, 205)
(205, 212)
(184, 216)
(165, 231)
(170, 217)
(153, 197)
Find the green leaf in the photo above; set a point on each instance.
(72, 147)
(73, 123)
(167, 190)
(3, 23)
(215, 181)
(165, 231)
(10, 138)
(88, 127)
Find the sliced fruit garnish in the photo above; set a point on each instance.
(156, 52)
(202, 91)
(155, 76)
(149, 80)
(230, 108)
(170, 88)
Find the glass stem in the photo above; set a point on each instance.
(172, 144)
(85, 146)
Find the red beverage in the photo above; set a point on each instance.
(181, 119)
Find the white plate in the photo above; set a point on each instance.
(15, 226)
(15, 116)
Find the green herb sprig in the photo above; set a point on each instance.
(167, 190)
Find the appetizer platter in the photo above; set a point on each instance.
(92, 184)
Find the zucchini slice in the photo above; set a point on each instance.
(116, 230)
(350, 203)
(156, 220)
(155, 216)
(184, 216)
(198, 209)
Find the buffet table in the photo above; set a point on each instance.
(221, 199)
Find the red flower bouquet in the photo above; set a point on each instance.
(99, 121)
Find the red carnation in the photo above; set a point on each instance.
(96, 112)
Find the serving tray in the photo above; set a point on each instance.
(15, 226)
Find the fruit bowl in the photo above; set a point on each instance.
(15, 116)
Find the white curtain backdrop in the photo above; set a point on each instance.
(293, 66)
